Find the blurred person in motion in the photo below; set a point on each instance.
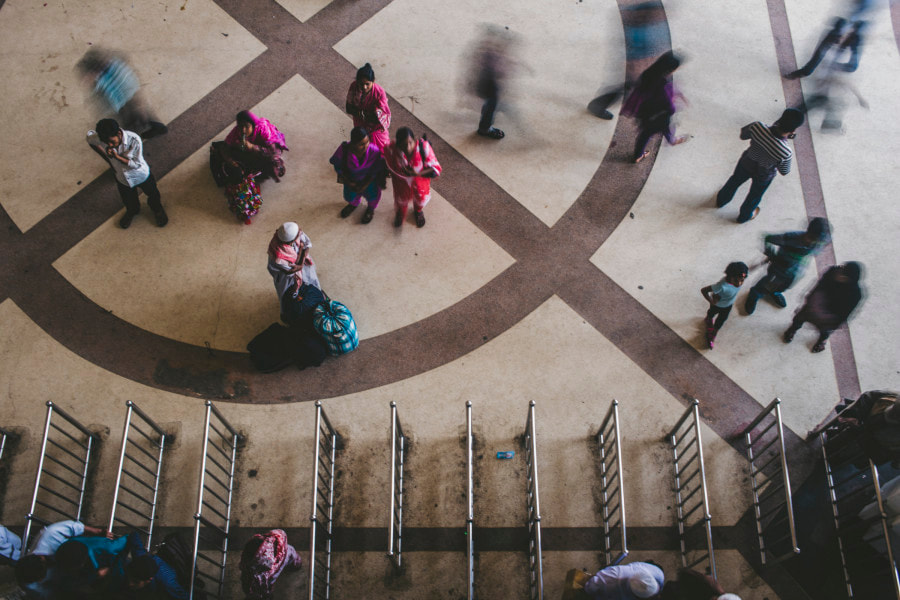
(788, 254)
(646, 36)
(116, 90)
(637, 580)
(768, 152)
(830, 303)
(492, 66)
(652, 103)
(367, 103)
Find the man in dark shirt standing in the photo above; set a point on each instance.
(787, 254)
(768, 152)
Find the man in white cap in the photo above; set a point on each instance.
(633, 581)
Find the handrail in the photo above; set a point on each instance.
(323, 429)
(220, 507)
(72, 510)
(149, 508)
(533, 506)
(4, 434)
(612, 485)
(470, 512)
(398, 455)
(773, 511)
(689, 479)
(850, 489)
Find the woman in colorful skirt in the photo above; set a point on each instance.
(264, 558)
(360, 168)
(412, 165)
(367, 103)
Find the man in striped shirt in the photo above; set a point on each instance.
(768, 152)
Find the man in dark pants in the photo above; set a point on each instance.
(768, 152)
(843, 39)
(123, 150)
(788, 253)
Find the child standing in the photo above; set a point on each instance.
(721, 297)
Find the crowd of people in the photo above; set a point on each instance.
(69, 560)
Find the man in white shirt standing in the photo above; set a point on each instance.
(124, 152)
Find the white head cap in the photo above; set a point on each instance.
(288, 232)
(729, 597)
(643, 585)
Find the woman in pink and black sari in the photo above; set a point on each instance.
(254, 145)
(264, 557)
(367, 103)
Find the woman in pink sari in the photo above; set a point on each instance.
(264, 557)
(412, 165)
(367, 103)
(254, 145)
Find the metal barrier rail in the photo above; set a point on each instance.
(772, 502)
(214, 496)
(470, 514)
(4, 434)
(398, 454)
(533, 507)
(612, 494)
(326, 441)
(65, 457)
(690, 485)
(851, 489)
(141, 473)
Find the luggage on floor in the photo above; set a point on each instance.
(243, 197)
(335, 324)
(298, 311)
(279, 347)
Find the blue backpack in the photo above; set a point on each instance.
(333, 321)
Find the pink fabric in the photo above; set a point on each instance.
(279, 250)
(406, 188)
(261, 568)
(263, 133)
(376, 114)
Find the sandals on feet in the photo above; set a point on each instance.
(642, 156)
(420, 219)
(493, 133)
(818, 347)
(345, 212)
(367, 216)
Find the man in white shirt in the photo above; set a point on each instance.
(123, 150)
(626, 582)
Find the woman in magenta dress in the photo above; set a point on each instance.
(367, 103)
(412, 165)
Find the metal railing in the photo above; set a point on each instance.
(212, 521)
(139, 473)
(62, 470)
(398, 455)
(533, 509)
(470, 512)
(691, 501)
(771, 484)
(612, 494)
(4, 434)
(850, 489)
(320, 538)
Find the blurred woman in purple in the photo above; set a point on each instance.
(264, 558)
(652, 103)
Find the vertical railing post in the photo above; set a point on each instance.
(612, 495)
(132, 476)
(690, 484)
(771, 474)
(58, 454)
(470, 512)
(324, 513)
(4, 435)
(533, 507)
(395, 526)
(214, 504)
(858, 510)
